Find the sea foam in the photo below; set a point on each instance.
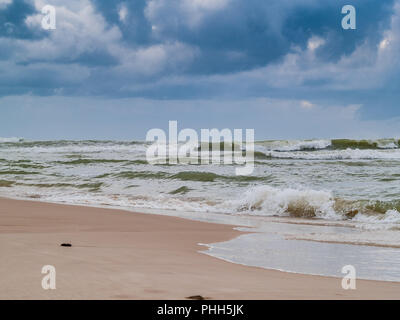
(267, 200)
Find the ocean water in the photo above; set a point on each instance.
(319, 194)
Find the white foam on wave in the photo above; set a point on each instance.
(295, 145)
(261, 200)
(81, 148)
(268, 201)
(307, 203)
(256, 201)
(12, 139)
(388, 220)
(390, 145)
(321, 144)
(347, 154)
(387, 143)
(305, 145)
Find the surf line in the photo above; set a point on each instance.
(184, 147)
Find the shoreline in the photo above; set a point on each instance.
(119, 254)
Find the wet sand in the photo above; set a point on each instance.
(117, 254)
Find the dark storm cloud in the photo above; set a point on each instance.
(182, 49)
(250, 34)
(12, 21)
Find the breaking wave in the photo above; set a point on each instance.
(295, 145)
(342, 144)
(308, 203)
(196, 176)
(325, 154)
(103, 171)
(10, 140)
(270, 201)
(334, 144)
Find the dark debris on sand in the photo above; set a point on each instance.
(198, 297)
(66, 245)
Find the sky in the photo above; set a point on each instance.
(116, 69)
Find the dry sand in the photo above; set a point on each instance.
(117, 254)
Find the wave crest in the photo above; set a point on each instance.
(308, 203)
(11, 140)
(266, 200)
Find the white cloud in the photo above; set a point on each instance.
(306, 105)
(314, 43)
(80, 29)
(123, 13)
(206, 4)
(148, 61)
(367, 67)
(83, 30)
(5, 3)
(384, 44)
(188, 12)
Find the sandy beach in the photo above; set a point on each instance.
(117, 254)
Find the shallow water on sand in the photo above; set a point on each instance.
(273, 244)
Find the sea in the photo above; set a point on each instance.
(312, 206)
